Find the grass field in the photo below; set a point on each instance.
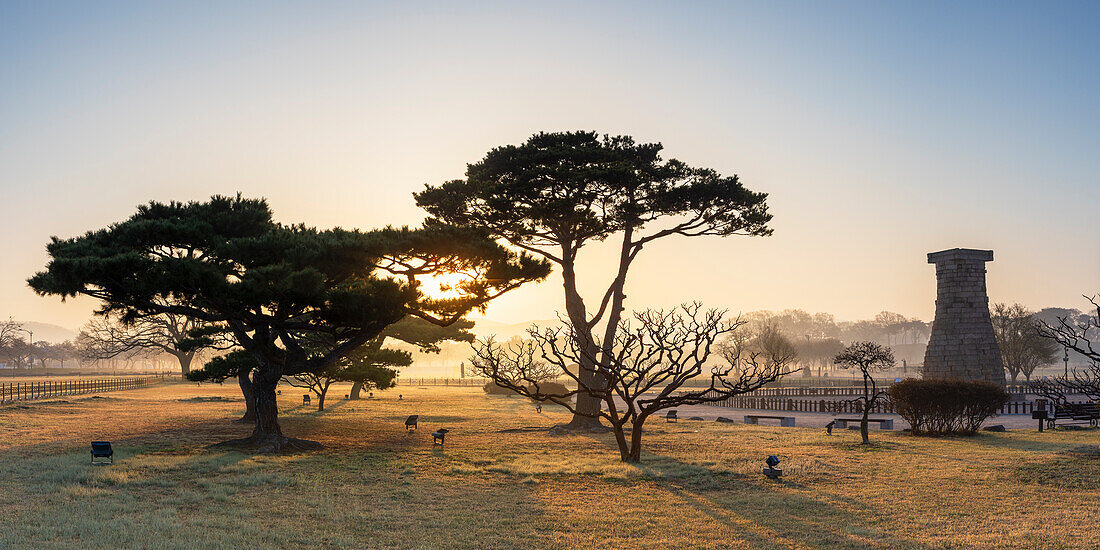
(374, 486)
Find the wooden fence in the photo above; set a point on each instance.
(25, 391)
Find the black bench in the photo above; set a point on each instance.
(785, 421)
(410, 422)
(883, 423)
(305, 399)
(671, 416)
(1074, 412)
(438, 436)
(102, 449)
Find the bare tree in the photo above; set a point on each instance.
(14, 350)
(867, 357)
(1023, 349)
(641, 372)
(9, 332)
(316, 382)
(109, 337)
(1077, 334)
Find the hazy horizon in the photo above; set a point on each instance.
(881, 132)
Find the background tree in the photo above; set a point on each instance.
(237, 364)
(868, 357)
(278, 288)
(773, 346)
(14, 350)
(643, 371)
(108, 336)
(424, 336)
(1023, 349)
(1077, 333)
(371, 368)
(317, 382)
(557, 192)
(818, 352)
(59, 353)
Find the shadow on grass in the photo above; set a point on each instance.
(767, 513)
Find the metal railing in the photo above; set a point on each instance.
(836, 406)
(26, 391)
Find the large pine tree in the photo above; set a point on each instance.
(296, 299)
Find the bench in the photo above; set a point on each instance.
(670, 416)
(785, 421)
(102, 449)
(305, 399)
(438, 436)
(1074, 412)
(883, 423)
(410, 422)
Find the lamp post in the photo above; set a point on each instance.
(1065, 359)
(31, 333)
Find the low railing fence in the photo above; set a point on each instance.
(854, 390)
(468, 382)
(836, 406)
(26, 391)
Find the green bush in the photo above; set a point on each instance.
(939, 407)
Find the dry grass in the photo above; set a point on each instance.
(375, 486)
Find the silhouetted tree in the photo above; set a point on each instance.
(867, 357)
(107, 337)
(1076, 333)
(277, 288)
(642, 371)
(557, 192)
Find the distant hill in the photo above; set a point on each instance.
(49, 332)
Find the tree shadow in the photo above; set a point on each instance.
(768, 513)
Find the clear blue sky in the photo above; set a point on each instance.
(882, 130)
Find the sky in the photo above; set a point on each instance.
(881, 130)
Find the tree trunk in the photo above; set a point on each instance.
(249, 397)
(863, 424)
(185, 362)
(356, 387)
(587, 412)
(620, 439)
(267, 436)
(866, 410)
(321, 393)
(636, 441)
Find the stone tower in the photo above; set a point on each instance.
(962, 344)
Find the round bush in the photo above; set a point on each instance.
(551, 388)
(945, 406)
(492, 388)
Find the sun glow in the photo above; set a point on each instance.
(443, 286)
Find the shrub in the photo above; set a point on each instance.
(492, 388)
(551, 388)
(937, 407)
